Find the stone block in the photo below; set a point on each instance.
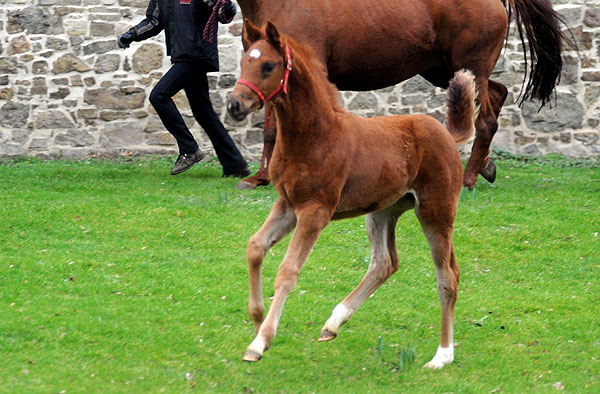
(568, 113)
(34, 20)
(8, 65)
(123, 134)
(147, 57)
(592, 17)
(587, 138)
(363, 100)
(161, 138)
(87, 113)
(12, 150)
(57, 44)
(39, 144)
(20, 136)
(74, 138)
(52, 119)
(67, 63)
(102, 29)
(134, 3)
(60, 94)
(99, 47)
(107, 63)
(154, 125)
(126, 98)
(109, 116)
(39, 67)
(14, 115)
(6, 93)
(18, 45)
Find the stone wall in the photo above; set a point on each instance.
(67, 90)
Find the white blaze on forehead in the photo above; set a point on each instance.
(255, 53)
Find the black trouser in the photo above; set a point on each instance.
(191, 77)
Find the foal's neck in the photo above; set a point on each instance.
(312, 101)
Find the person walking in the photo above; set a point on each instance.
(190, 28)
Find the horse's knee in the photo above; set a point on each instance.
(393, 266)
(486, 126)
(255, 252)
(256, 312)
(498, 94)
(286, 278)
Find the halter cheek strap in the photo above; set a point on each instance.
(281, 89)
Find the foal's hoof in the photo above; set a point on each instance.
(327, 335)
(251, 356)
(434, 365)
(489, 174)
(243, 185)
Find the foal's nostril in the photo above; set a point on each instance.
(235, 109)
(233, 106)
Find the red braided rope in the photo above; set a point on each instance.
(209, 32)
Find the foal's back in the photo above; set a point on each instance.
(392, 155)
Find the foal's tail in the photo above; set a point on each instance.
(462, 110)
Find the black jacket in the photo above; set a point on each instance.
(183, 22)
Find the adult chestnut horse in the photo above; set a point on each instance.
(329, 164)
(368, 45)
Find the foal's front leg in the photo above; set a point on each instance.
(281, 221)
(311, 221)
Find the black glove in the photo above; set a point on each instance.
(124, 40)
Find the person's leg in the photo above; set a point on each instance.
(228, 154)
(172, 82)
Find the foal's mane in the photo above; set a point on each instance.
(308, 71)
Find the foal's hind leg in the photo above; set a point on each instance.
(437, 219)
(281, 221)
(384, 262)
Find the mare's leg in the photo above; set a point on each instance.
(312, 219)
(436, 216)
(497, 93)
(281, 221)
(262, 178)
(384, 262)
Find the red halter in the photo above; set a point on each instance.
(281, 89)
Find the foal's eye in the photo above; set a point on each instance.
(267, 68)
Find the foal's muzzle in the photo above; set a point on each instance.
(236, 108)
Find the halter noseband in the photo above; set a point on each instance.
(281, 89)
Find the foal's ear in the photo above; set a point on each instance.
(250, 33)
(273, 34)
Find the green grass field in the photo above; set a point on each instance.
(116, 277)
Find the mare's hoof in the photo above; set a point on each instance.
(243, 185)
(251, 356)
(327, 335)
(489, 174)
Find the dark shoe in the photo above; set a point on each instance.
(186, 161)
(244, 172)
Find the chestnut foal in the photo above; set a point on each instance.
(329, 164)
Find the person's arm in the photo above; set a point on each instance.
(227, 12)
(149, 27)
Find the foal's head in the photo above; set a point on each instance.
(265, 70)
